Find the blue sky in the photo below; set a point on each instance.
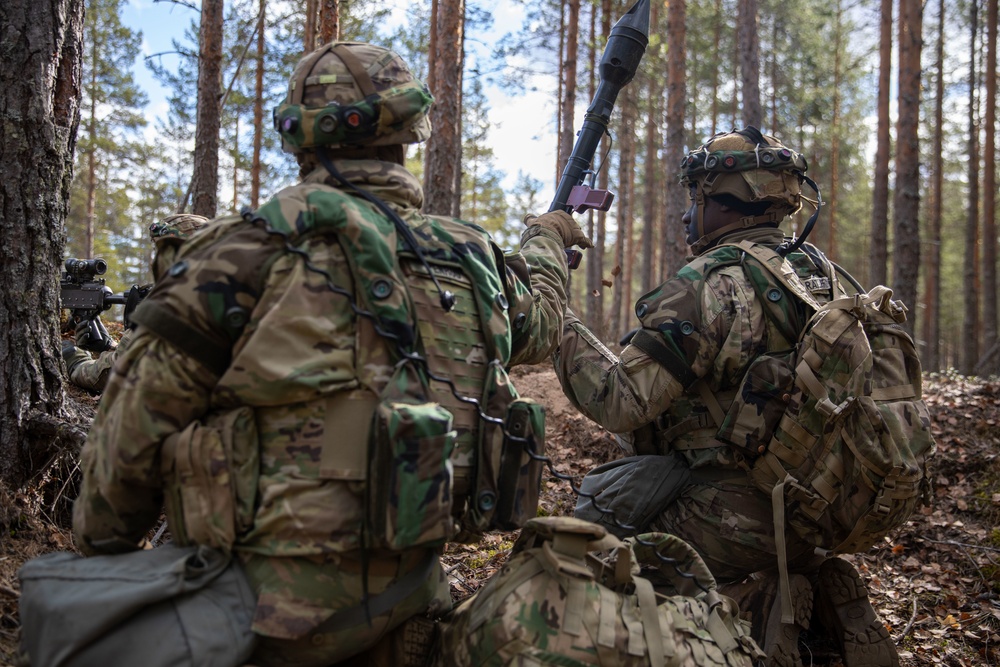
(517, 147)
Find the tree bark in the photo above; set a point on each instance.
(205, 180)
(594, 258)
(258, 109)
(932, 280)
(716, 51)
(443, 163)
(970, 276)
(40, 79)
(309, 31)
(831, 247)
(989, 183)
(879, 254)
(652, 184)
(748, 46)
(626, 207)
(567, 122)
(906, 228)
(329, 21)
(675, 195)
(91, 215)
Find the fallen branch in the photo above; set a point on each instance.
(956, 543)
(909, 626)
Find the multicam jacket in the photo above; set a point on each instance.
(700, 330)
(244, 321)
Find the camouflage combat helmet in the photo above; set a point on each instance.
(747, 165)
(176, 226)
(350, 94)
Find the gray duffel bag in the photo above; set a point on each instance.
(165, 607)
(635, 489)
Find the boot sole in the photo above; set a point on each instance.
(781, 640)
(846, 611)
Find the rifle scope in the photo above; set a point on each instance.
(86, 267)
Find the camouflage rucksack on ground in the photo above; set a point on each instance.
(836, 429)
(553, 603)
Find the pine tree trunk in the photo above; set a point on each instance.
(716, 52)
(675, 194)
(906, 230)
(442, 167)
(258, 110)
(626, 209)
(432, 46)
(236, 165)
(748, 46)
(989, 183)
(831, 247)
(970, 276)
(40, 72)
(595, 258)
(652, 183)
(932, 301)
(91, 216)
(561, 50)
(205, 181)
(329, 21)
(309, 32)
(879, 256)
(567, 102)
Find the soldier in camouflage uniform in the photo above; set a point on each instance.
(246, 398)
(699, 332)
(92, 374)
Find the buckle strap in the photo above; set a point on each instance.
(382, 602)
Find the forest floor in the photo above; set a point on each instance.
(935, 585)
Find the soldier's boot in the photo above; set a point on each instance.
(842, 606)
(760, 603)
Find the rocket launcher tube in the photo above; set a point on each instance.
(619, 63)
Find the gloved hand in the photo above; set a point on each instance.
(73, 356)
(563, 224)
(92, 336)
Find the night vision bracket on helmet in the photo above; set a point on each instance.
(380, 114)
(350, 94)
(752, 168)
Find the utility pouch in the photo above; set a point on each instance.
(520, 472)
(755, 412)
(410, 476)
(498, 396)
(211, 470)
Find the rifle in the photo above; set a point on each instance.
(626, 44)
(86, 296)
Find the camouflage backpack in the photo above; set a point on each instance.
(835, 430)
(553, 603)
(440, 435)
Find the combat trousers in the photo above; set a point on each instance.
(310, 611)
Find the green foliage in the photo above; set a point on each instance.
(483, 200)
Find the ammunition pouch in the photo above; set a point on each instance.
(410, 476)
(211, 470)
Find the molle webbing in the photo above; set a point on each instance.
(451, 341)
